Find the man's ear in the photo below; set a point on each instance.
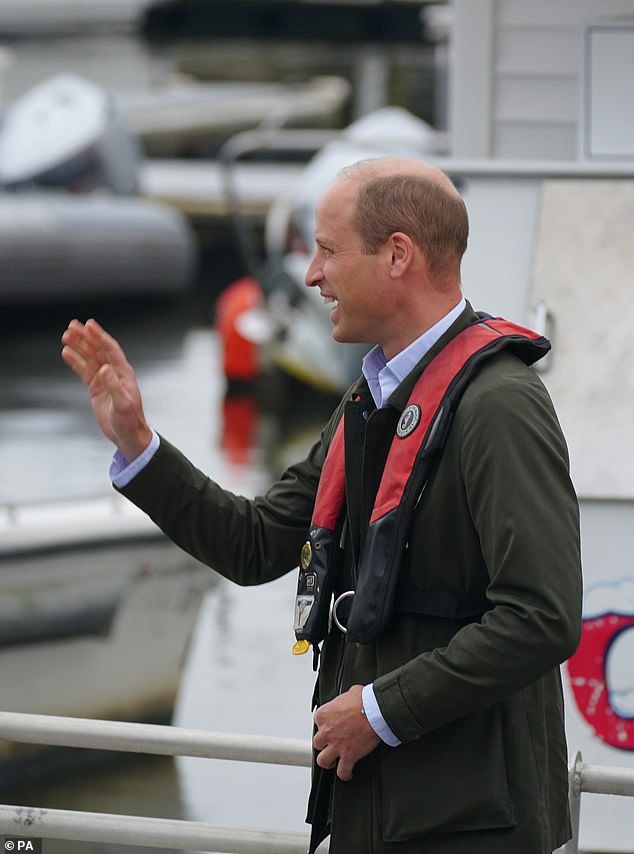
(401, 252)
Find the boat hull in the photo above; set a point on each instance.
(101, 622)
(55, 246)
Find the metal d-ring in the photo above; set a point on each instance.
(348, 594)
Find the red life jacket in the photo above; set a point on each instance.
(420, 436)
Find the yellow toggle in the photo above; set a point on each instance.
(300, 647)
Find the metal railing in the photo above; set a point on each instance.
(595, 779)
(27, 821)
(175, 741)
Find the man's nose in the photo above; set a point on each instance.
(313, 274)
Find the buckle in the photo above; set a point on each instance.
(348, 594)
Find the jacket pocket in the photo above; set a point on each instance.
(452, 779)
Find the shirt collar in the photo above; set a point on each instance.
(384, 376)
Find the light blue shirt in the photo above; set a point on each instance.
(121, 473)
(382, 377)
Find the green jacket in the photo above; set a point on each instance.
(477, 705)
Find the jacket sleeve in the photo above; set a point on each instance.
(249, 541)
(513, 463)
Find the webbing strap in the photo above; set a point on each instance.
(440, 603)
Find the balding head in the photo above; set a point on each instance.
(402, 194)
(385, 167)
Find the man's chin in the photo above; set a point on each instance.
(341, 339)
(341, 336)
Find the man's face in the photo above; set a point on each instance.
(351, 282)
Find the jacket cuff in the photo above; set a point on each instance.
(395, 705)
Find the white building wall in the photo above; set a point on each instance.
(516, 72)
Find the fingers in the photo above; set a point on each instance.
(343, 735)
(328, 758)
(87, 347)
(88, 341)
(344, 771)
(105, 348)
(79, 351)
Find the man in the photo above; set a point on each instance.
(442, 730)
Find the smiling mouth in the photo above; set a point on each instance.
(331, 302)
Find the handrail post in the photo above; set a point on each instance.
(574, 799)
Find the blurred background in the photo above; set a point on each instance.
(159, 166)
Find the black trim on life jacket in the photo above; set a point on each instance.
(421, 434)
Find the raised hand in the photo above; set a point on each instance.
(96, 357)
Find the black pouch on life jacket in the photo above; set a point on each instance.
(319, 569)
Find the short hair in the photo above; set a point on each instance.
(432, 215)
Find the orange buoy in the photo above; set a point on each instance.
(240, 360)
(240, 415)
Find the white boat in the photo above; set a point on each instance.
(541, 143)
(46, 17)
(198, 116)
(97, 609)
(71, 223)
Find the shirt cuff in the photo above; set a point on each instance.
(376, 719)
(121, 472)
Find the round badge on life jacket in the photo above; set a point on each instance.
(306, 555)
(408, 421)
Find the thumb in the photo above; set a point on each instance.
(111, 382)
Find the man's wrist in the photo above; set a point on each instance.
(133, 448)
(122, 472)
